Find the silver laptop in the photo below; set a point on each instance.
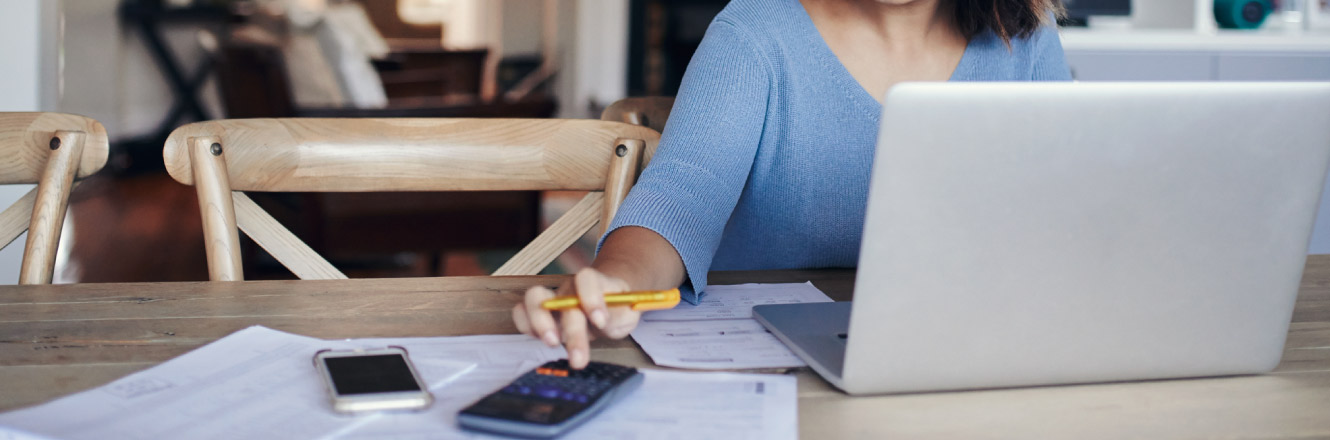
(1035, 234)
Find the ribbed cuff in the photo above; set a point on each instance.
(681, 227)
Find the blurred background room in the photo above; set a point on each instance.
(145, 67)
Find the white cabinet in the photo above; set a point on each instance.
(1114, 65)
(1272, 67)
(1184, 55)
(1140, 66)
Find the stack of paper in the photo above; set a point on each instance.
(719, 332)
(261, 383)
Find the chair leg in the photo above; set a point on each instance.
(48, 209)
(221, 238)
(624, 167)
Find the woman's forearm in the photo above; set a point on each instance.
(640, 257)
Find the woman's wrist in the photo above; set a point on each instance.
(630, 272)
(641, 258)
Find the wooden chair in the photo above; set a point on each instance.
(647, 111)
(222, 158)
(254, 82)
(50, 150)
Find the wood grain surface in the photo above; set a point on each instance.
(25, 144)
(225, 157)
(221, 238)
(623, 173)
(404, 154)
(561, 234)
(58, 339)
(49, 206)
(280, 242)
(647, 111)
(50, 150)
(15, 219)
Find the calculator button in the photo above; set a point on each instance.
(553, 393)
(557, 372)
(548, 392)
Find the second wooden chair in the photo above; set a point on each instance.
(223, 158)
(50, 150)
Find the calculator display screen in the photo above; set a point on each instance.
(370, 374)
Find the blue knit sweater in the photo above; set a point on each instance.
(764, 163)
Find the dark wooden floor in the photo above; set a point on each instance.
(147, 228)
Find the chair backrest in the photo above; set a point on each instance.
(50, 150)
(222, 158)
(647, 111)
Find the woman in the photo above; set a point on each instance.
(764, 163)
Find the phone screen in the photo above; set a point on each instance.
(370, 374)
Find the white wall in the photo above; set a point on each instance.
(594, 65)
(93, 68)
(28, 32)
(523, 27)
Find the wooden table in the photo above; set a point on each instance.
(56, 340)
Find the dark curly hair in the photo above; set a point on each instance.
(1007, 18)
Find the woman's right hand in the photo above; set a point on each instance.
(590, 286)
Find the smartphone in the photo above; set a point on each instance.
(372, 380)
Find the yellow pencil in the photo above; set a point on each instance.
(639, 300)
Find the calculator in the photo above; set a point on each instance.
(550, 400)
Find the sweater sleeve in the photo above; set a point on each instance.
(690, 188)
(1050, 64)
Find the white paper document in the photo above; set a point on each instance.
(720, 333)
(7, 433)
(723, 406)
(668, 405)
(255, 383)
(262, 383)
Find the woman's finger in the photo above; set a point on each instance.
(590, 285)
(575, 337)
(541, 321)
(622, 321)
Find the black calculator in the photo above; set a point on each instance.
(550, 400)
